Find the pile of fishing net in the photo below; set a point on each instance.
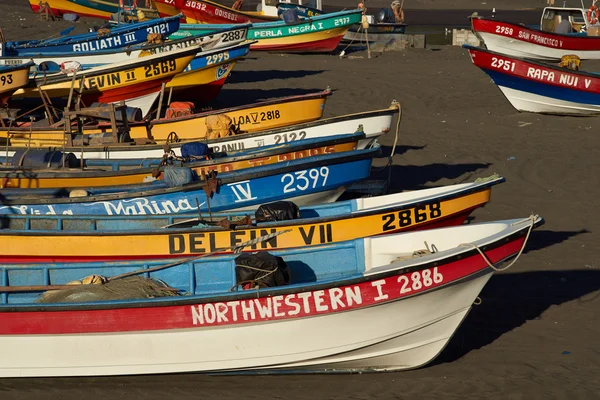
(98, 288)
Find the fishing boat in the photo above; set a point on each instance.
(118, 37)
(94, 8)
(381, 28)
(250, 118)
(29, 169)
(581, 36)
(203, 78)
(13, 78)
(137, 82)
(371, 123)
(317, 34)
(209, 12)
(306, 181)
(539, 87)
(385, 303)
(216, 40)
(167, 8)
(147, 231)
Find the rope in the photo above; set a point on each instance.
(391, 157)
(531, 218)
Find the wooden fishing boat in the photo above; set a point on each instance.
(380, 307)
(167, 8)
(128, 172)
(119, 37)
(40, 235)
(539, 87)
(297, 179)
(371, 123)
(520, 41)
(204, 77)
(216, 40)
(94, 8)
(251, 118)
(208, 12)
(382, 29)
(138, 82)
(311, 35)
(11, 79)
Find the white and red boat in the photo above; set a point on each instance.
(539, 87)
(380, 303)
(520, 41)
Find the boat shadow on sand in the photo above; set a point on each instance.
(509, 300)
(235, 97)
(266, 75)
(414, 177)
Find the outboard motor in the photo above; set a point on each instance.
(385, 15)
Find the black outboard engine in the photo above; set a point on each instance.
(385, 15)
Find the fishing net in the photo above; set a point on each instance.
(218, 126)
(96, 288)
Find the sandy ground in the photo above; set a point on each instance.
(535, 335)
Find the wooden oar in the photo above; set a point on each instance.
(237, 248)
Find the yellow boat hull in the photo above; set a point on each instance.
(251, 118)
(11, 81)
(86, 178)
(162, 243)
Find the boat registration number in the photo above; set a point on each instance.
(341, 21)
(6, 79)
(503, 64)
(411, 216)
(217, 58)
(232, 36)
(504, 30)
(162, 67)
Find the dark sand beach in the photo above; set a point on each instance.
(536, 333)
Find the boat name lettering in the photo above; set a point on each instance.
(11, 62)
(289, 137)
(6, 79)
(102, 81)
(98, 44)
(162, 67)
(242, 191)
(504, 30)
(158, 28)
(296, 155)
(234, 35)
(229, 146)
(298, 180)
(217, 58)
(563, 78)
(505, 65)
(341, 21)
(37, 210)
(140, 206)
(325, 234)
(545, 40)
(200, 243)
(315, 26)
(225, 14)
(303, 304)
(196, 5)
(256, 118)
(175, 46)
(416, 215)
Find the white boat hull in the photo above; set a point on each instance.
(522, 49)
(396, 335)
(530, 102)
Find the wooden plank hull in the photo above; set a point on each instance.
(363, 218)
(539, 87)
(364, 313)
(129, 175)
(13, 78)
